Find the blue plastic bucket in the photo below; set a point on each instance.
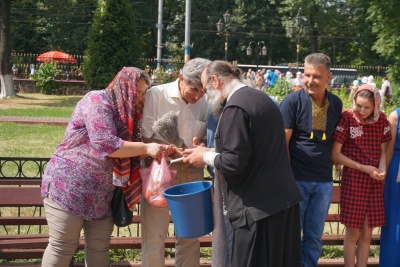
(191, 208)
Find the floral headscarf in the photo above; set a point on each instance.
(123, 91)
(377, 98)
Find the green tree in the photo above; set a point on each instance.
(261, 21)
(26, 36)
(353, 34)
(112, 43)
(66, 28)
(145, 25)
(337, 28)
(384, 15)
(42, 25)
(202, 37)
(257, 21)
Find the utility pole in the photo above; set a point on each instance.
(187, 30)
(159, 33)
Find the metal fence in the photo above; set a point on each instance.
(170, 68)
(24, 62)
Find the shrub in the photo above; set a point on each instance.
(45, 77)
(280, 89)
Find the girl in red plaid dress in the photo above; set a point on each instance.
(360, 146)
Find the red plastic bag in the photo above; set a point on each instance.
(155, 179)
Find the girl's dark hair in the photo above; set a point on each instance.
(366, 94)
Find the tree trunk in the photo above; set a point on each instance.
(6, 77)
(314, 41)
(314, 33)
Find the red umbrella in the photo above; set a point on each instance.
(56, 56)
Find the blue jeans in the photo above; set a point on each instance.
(313, 209)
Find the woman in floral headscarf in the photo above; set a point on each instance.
(360, 146)
(100, 150)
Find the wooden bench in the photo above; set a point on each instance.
(23, 192)
(24, 245)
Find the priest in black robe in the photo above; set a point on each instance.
(256, 200)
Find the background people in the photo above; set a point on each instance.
(78, 184)
(386, 90)
(32, 72)
(148, 70)
(371, 81)
(258, 81)
(252, 167)
(297, 82)
(250, 74)
(272, 77)
(186, 97)
(364, 80)
(360, 146)
(310, 116)
(14, 71)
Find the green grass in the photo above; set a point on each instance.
(35, 112)
(29, 140)
(39, 105)
(335, 252)
(33, 140)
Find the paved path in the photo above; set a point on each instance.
(35, 120)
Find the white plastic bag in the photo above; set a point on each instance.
(155, 179)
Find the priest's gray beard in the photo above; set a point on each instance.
(216, 96)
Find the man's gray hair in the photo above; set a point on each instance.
(193, 69)
(318, 59)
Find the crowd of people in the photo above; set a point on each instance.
(264, 79)
(272, 185)
(385, 90)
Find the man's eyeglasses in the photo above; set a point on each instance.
(205, 87)
(197, 90)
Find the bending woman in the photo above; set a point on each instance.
(101, 149)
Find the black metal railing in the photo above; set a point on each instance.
(29, 171)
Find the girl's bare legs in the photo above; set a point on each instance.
(349, 246)
(363, 246)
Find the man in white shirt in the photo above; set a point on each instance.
(187, 98)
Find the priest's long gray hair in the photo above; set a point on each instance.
(224, 70)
